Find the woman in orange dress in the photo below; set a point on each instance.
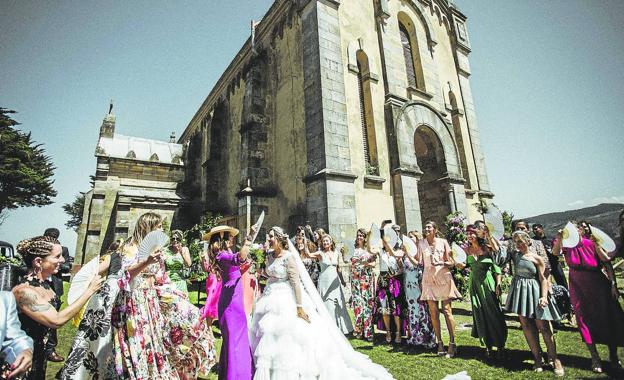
(437, 284)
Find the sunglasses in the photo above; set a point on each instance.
(175, 239)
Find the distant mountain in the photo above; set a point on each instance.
(604, 216)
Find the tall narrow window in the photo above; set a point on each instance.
(367, 118)
(411, 53)
(408, 57)
(363, 115)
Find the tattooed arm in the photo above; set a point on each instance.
(33, 305)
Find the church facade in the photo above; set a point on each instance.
(341, 114)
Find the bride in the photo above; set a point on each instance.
(292, 335)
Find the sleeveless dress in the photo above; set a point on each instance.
(524, 292)
(419, 321)
(331, 292)
(363, 291)
(91, 354)
(37, 332)
(174, 264)
(488, 320)
(600, 319)
(437, 282)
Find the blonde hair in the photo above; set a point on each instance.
(144, 225)
(522, 235)
(333, 243)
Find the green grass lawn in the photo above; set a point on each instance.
(405, 363)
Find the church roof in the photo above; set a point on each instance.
(140, 149)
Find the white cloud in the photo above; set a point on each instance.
(577, 203)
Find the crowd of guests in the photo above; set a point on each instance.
(135, 319)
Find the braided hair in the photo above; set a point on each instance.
(39, 246)
(281, 236)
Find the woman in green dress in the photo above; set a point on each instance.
(488, 320)
(177, 257)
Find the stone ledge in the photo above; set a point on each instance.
(333, 174)
(374, 179)
(485, 194)
(411, 172)
(418, 92)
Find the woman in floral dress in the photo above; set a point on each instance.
(420, 329)
(157, 334)
(363, 287)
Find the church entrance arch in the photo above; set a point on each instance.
(432, 187)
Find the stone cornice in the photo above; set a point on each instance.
(410, 172)
(330, 174)
(277, 11)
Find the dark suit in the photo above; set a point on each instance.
(57, 285)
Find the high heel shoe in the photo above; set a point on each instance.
(441, 350)
(452, 350)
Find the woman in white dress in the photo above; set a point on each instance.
(292, 335)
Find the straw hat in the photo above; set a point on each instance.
(220, 230)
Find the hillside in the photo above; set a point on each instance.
(604, 216)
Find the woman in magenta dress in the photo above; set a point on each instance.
(235, 359)
(594, 298)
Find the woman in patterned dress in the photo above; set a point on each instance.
(363, 286)
(91, 354)
(157, 334)
(177, 258)
(420, 330)
(311, 263)
(438, 285)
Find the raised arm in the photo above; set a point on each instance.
(40, 310)
(186, 256)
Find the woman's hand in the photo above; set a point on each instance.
(155, 256)
(302, 314)
(498, 290)
(22, 364)
(543, 302)
(95, 284)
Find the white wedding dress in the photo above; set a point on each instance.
(285, 346)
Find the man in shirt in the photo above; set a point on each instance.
(15, 346)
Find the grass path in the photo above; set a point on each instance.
(406, 363)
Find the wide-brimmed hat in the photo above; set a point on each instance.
(220, 230)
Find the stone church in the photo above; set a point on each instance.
(341, 113)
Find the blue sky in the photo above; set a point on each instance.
(547, 81)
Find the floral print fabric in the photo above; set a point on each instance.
(419, 321)
(362, 290)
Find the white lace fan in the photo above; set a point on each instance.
(81, 280)
(409, 246)
(374, 239)
(459, 254)
(603, 239)
(494, 221)
(349, 250)
(152, 242)
(570, 236)
(258, 225)
(390, 236)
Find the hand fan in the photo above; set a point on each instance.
(570, 236)
(258, 225)
(409, 246)
(494, 221)
(81, 280)
(152, 242)
(349, 250)
(374, 240)
(603, 239)
(390, 236)
(458, 253)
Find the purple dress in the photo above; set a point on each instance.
(235, 360)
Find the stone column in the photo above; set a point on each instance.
(330, 189)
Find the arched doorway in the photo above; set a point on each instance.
(432, 187)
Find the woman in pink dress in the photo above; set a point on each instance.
(594, 297)
(437, 284)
